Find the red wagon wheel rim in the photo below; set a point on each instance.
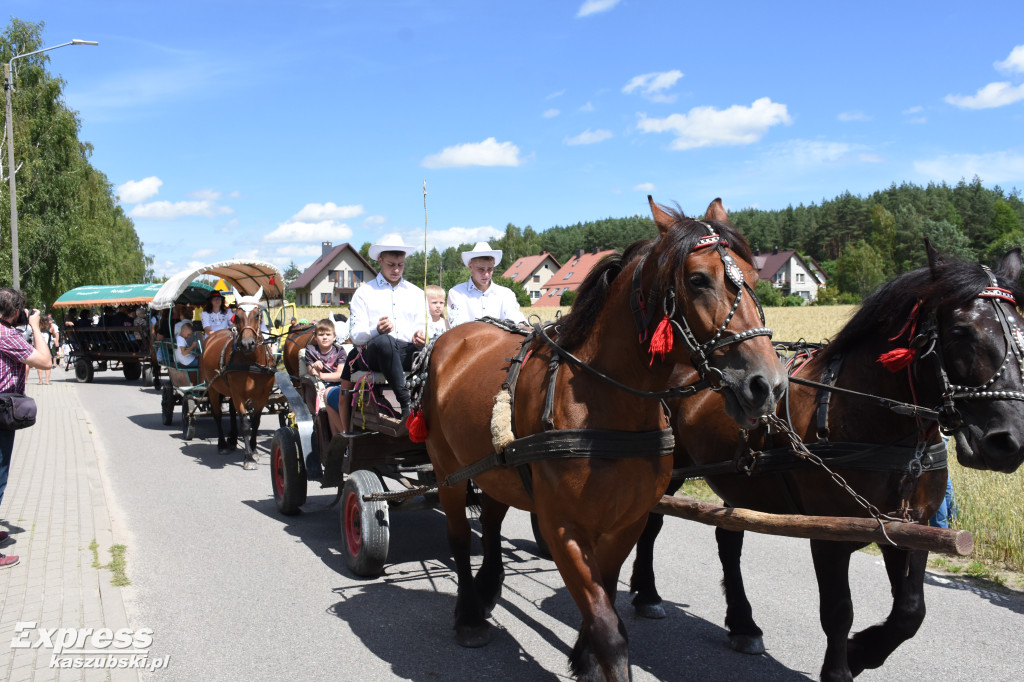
(353, 526)
(278, 466)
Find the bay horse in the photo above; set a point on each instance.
(237, 363)
(591, 451)
(298, 338)
(957, 326)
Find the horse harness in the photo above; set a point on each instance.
(554, 443)
(227, 363)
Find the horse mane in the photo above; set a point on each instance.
(671, 247)
(885, 312)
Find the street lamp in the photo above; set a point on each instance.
(8, 88)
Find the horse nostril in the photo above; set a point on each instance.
(1001, 444)
(759, 389)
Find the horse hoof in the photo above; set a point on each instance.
(473, 638)
(249, 465)
(223, 451)
(652, 611)
(746, 644)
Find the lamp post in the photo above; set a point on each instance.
(8, 88)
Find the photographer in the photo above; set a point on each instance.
(16, 354)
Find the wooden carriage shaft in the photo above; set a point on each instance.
(835, 528)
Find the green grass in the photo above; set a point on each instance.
(116, 566)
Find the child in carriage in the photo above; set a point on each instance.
(326, 360)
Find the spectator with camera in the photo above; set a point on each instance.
(16, 354)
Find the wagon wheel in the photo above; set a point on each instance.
(365, 532)
(156, 377)
(83, 371)
(147, 375)
(542, 546)
(132, 370)
(287, 471)
(167, 404)
(188, 420)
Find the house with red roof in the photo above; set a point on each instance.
(533, 272)
(333, 277)
(790, 273)
(570, 276)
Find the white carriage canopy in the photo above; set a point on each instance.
(246, 276)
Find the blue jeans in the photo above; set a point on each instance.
(947, 510)
(6, 448)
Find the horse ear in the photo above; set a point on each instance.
(662, 219)
(235, 294)
(259, 294)
(1010, 265)
(716, 212)
(934, 259)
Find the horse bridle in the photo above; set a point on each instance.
(949, 417)
(699, 352)
(240, 329)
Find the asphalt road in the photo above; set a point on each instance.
(235, 591)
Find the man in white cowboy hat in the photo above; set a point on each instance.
(387, 317)
(479, 296)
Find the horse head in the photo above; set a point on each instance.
(247, 321)
(980, 351)
(702, 277)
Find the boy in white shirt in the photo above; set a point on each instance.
(185, 346)
(479, 296)
(435, 304)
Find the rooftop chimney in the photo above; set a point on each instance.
(325, 248)
(579, 253)
(596, 249)
(775, 251)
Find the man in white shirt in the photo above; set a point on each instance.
(388, 315)
(479, 296)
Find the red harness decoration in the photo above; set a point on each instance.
(417, 426)
(661, 340)
(899, 358)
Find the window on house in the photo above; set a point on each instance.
(800, 277)
(567, 276)
(536, 278)
(534, 294)
(325, 299)
(357, 275)
(334, 276)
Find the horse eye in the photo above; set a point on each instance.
(700, 280)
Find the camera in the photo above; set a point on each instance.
(23, 317)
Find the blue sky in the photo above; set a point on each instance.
(260, 129)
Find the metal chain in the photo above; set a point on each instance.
(801, 450)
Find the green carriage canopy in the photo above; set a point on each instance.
(108, 294)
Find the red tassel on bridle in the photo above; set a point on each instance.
(900, 358)
(661, 340)
(417, 426)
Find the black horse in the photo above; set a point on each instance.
(948, 337)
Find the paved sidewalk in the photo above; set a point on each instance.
(54, 508)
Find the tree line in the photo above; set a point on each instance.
(71, 231)
(859, 242)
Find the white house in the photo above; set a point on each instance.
(533, 272)
(333, 277)
(790, 273)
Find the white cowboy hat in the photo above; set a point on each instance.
(392, 242)
(481, 250)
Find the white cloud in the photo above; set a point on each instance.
(847, 116)
(912, 110)
(557, 93)
(645, 187)
(453, 236)
(304, 231)
(588, 137)
(710, 127)
(166, 210)
(997, 167)
(551, 113)
(328, 211)
(375, 220)
(991, 96)
(134, 191)
(587, 107)
(490, 152)
(871, 158)
(810, 153)
(595, 7)
(651, 85)
(1013, 63)
(205, 195)
(203, 254)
